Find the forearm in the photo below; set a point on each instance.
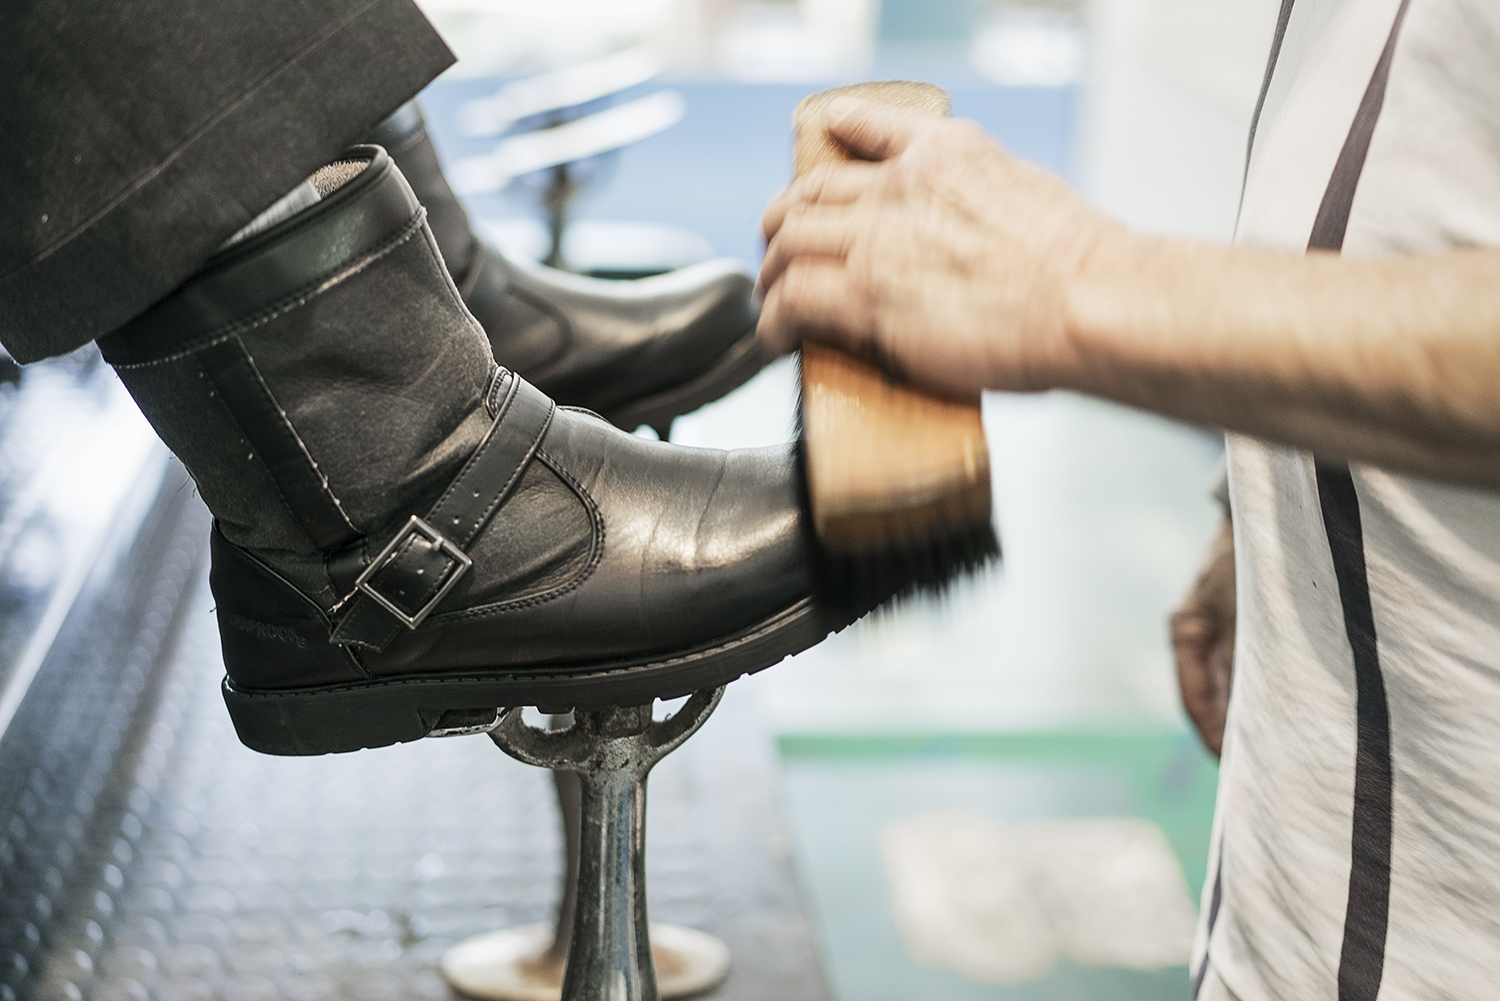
(1394, 361)
(963, 268)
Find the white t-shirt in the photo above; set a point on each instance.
(1357, 835)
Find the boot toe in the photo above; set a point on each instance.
(718, 547)
(635, 548)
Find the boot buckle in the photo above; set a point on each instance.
(415, 526)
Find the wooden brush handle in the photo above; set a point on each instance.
(886, 463)
(813, 146)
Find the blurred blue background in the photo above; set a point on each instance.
(712, 172)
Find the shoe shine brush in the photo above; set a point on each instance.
(898, 481)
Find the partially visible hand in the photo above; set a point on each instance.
(941, 255)
(1203, 641)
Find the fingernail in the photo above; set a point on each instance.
(841, 106)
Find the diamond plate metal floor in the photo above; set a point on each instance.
(144, 853)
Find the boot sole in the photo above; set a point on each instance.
(735, 367)
(340, 718)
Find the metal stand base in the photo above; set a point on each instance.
(612, 751)
(519, 964)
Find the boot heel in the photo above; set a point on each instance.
(327, 721)
(271, 632)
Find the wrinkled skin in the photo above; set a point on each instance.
(960, 268)
(1203, 641)
(947, 252)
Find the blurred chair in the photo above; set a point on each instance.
(564, 128)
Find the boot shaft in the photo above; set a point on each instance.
(318, 377)
(404, 136)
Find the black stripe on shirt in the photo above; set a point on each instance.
(1213, 917)
(1367, 911)
(1366, 916)
(1282, 20)
(1333, 213)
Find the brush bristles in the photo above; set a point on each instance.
(852, 585)
(849, 584)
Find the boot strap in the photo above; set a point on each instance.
(417, 569)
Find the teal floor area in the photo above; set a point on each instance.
(842, 790)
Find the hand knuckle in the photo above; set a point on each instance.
(794, 283)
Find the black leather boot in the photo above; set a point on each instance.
(406, 532)
(637, 352)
